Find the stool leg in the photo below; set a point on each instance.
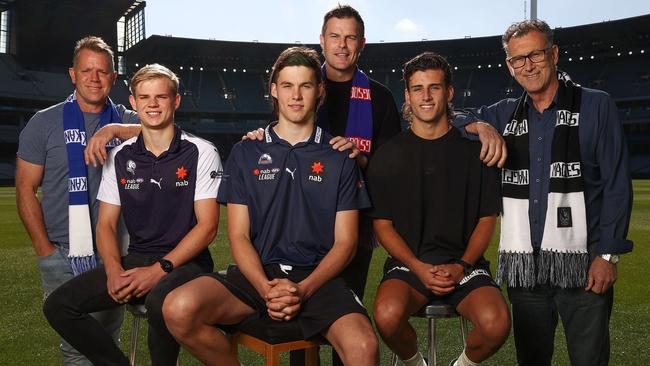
(393, 360)
(134, 339)
(272, 357)
(311, 356)
(432, 342)
(463, 329)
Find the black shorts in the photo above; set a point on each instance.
(480, 277)
(329, 303)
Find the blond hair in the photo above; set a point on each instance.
(154, 71)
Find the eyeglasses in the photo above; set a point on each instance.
(534, 57)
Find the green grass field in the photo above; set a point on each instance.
(26, 338)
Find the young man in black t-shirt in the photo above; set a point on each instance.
(435, 207)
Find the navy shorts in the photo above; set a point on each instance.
(329, 303)
(480, 277)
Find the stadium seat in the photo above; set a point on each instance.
(434, 311)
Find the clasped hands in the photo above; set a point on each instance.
(283, 299)
(136, 282)
(441, 279)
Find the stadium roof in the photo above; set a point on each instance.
(46, 30)
(597, 37)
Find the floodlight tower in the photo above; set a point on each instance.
(533, 9)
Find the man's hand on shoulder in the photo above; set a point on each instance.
(341, 143)
(254, 135)
(493, 147)
(602, 275)
(95, 151)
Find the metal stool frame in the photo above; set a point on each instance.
(432, 313)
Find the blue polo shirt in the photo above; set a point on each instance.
(604, 162)
(157, 194)
(293, 194)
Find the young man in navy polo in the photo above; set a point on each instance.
(164, 184)
(293, 206)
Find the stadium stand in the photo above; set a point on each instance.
(221, 101)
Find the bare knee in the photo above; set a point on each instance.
(389, 316)
(494, 326)
(179, 312)
(363, 351)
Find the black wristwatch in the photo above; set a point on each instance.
(166, 265)
(467, 268)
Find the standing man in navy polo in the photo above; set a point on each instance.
(293, 206)
(164, 183)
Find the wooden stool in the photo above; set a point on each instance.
(269, 338)
(433, 311)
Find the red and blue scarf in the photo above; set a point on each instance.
(359, 125)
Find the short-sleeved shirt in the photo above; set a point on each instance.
(157, 194)
(293, 194)
(42, 143)
(433, 191)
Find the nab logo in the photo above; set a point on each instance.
(131, 184)
(317, 168)
(265, 174)
(181, 174)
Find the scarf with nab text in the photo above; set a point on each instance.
(563, 259)
(82, 255)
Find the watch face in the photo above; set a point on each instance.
(166, 265)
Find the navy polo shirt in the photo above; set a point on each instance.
(604, 162)
(293, 194)
(157, 194)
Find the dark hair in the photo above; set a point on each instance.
(423, 62)
(342, 12)
(522, 28)
(296, 56)
(94, 44)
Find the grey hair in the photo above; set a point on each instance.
(522, 28)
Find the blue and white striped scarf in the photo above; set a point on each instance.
(82, 255)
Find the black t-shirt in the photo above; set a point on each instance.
(434, 192)
(385, 119)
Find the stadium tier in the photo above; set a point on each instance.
(224, 84)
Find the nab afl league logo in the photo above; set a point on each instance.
(130, 166)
